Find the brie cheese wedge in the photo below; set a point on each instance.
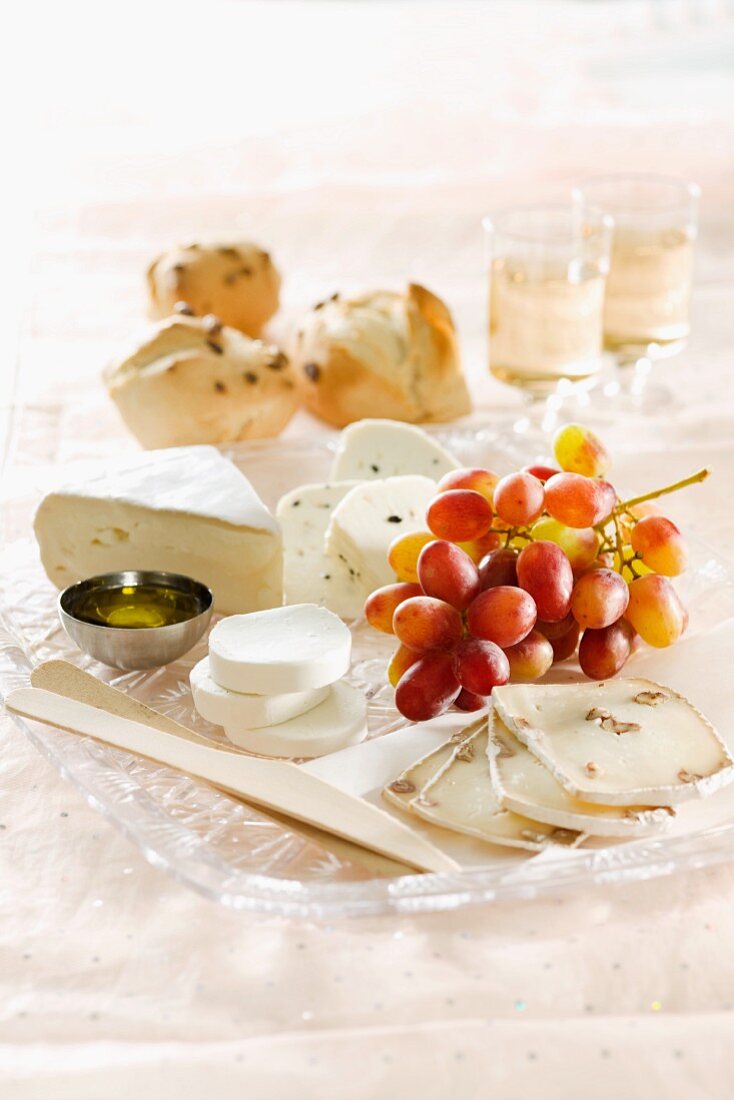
(238, 710)
(526, 787)
(338, 722)
(182, 510)
(369, 517)
(627, 742)
(279, 651)
(461, 797)
(309, 574)
(371, 449)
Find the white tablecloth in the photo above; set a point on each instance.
(361, 142)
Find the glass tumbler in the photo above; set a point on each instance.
(547, 269)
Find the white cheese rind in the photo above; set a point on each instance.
(182, 510)
(461, 797)
(372, 449)
(275, 652)
(309, 574)
(674, 756)
(401, 791)
(223, 707)
(523, 784)
(337, 723)
(367, 520)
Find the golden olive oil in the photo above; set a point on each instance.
(136, 606)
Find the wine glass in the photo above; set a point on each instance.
(648, 291)
(547, 268)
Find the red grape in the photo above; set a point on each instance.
(557, 629)
(428, 688)
(503, 615)
(518, 499)
(660, 545)
(579, 544)
(402, 556)
(564, 645)
(602, 653)
(400, 662)
(425, 623)
(530, 659)
(499, 567)
(480, 666)
(481, 481)
(579, 450)
(543, 473)
(380, 606)
(479, 548)
(655, 610)
(599, 598)
(465, 700)
(579, 501)
(447, 573)
(545, 572)
(459, 515)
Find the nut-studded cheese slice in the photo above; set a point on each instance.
(627, 742)
(461, 797)
(525, 786)
(411, 782)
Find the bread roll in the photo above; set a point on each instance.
(385, 354)
(237, 281)
(195, 381)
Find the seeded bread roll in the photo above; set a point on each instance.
(237, 281)
(195, 381)
(385, 355)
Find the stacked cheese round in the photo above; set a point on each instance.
(273, 680)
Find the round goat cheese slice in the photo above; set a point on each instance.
(337, 723)
(233, 708)
(284, 650)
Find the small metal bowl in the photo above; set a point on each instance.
(136, 647)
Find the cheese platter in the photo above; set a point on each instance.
(324, 506)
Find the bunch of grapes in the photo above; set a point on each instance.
(519, 572)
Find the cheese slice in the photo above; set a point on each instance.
(182, 510)
(338, 722)
(223, 707)
(372, 449)
(284, 650)
(461, 797)
(627, 742)
(410, 783)
(309, 575)
(369, 517)
(526, 787)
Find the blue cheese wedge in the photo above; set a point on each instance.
(183, 510)
(309, 574)
(461, 797)
(376, 449)
(369, 517)
(526, 787)
(623, 742)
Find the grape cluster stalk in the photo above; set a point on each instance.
(514, 574)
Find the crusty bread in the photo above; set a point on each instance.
(385, 354)
(235, 280)
(195, 381)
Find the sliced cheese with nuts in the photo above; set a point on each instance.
(461, 797)
(627, 742)
(411, 782)
(309, 574)
(369, 517)
(525, 786)
(372, 449)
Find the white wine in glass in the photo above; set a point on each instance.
(648, 292)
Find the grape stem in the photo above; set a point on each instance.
(692, 479)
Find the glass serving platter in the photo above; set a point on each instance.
(248, 860)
